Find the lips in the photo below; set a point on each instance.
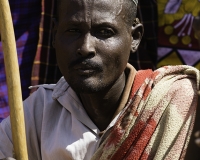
(86, 69)
(86, 72)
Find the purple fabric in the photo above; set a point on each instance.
(26, 18)
(1, 120)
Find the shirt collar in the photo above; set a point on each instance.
(62, 89)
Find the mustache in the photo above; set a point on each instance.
(86, 62)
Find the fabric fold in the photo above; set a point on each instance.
(158, 118)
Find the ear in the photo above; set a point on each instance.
(137, 33)
(55, 26)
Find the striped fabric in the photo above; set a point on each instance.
(146, 55)
(45, 69)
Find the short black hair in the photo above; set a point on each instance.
(130, 6)
(131, 9)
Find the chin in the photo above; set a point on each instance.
(88, 88)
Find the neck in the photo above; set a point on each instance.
(101, 106)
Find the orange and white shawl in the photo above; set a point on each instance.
(158, 118)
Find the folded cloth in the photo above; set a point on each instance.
(158, 118)
(136, 2)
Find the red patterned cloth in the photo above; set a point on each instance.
(157, 120)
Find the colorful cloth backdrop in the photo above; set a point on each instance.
(177, 42)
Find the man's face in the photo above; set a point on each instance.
(92, 43)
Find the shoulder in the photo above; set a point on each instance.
(38, 97)
(56, 90)
(184, 91)
(181, 92)
(42, 106)
(44, 99)
(176, 86)
(185, 87)
(49, 91)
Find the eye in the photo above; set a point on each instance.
(72, 33)
(73, 30)
(105, 33)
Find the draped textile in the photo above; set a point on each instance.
(158, 118)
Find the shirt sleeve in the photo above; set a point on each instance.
(6, 146)
(33, 111)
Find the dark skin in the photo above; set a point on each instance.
(93, 43)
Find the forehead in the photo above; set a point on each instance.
(90, 8)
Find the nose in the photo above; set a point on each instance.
(87, 46)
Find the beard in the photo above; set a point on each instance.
(88, 87)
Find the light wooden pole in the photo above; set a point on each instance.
(13, 82)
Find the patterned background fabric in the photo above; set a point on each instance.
(26, 19)
(177, 42)
(45, 69)
(146, 56)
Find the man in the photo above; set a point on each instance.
(102, 108)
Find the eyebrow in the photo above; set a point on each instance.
(100, 23)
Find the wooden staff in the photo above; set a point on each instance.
(13, 82)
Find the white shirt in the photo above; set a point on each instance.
(58, 122)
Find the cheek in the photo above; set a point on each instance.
(64, 52)
(61, 64)
(116, 50)
(62, 60)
